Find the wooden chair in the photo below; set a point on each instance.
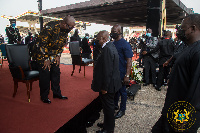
(20, 68)
(77, 58)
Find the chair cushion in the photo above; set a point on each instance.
(31, 74)
(86, 60)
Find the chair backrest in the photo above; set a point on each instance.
(74, 48)
(3, 49)
(18, 55)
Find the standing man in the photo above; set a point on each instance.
(166, 47)
(52, 39)
(149, 60)
(125, 62)
(106, 79)
(184, 82)
(13, 33)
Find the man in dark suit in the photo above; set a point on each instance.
(13, 33)
(166, 47)
(106, 79)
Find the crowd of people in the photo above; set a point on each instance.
(178, 61)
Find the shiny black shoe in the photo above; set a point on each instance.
(60, 97)
(119, 114)
(158, 88)
(46, 101)
(100, 125)
(145, 84)
(116, 107)
(104, 131)
(154, 85)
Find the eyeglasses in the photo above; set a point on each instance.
(70, 27)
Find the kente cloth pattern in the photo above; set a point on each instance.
(51, 42)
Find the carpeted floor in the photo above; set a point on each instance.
(19, 116)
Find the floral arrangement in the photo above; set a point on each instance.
(136, 75)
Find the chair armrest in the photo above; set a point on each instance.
(17, 72)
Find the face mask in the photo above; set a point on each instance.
(97, 43)
(181, 35)
(13, 25)
(87, 37)
(67, 30)
(148, 34)
(114, 35)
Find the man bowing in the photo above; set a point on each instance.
(106, 79)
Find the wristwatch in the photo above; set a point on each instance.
(127, 76)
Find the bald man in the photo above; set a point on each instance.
(52, 40)
(106, 79)
(183, 93)
(125, 62)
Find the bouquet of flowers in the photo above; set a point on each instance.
(136, 75)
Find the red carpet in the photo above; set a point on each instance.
(19, 116)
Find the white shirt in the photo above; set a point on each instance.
(105, 43)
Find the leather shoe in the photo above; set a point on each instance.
(157, 88)
(154, 85)
(104, 131)
(100, 125)
(60, 97)
(116, 107)
(119, 114)
(46, 101)
(145, 84)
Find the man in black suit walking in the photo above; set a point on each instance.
(106, 79)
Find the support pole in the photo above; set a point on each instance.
(40, 15)
(153, 16)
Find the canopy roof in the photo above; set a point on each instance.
(127, 13)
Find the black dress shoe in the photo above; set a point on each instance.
(100, 125)
(119, 114)
(60, 97)
(46, 101)
(104, 131)
(116, 107)
(145, 84)
(157, 88)
(154, 85)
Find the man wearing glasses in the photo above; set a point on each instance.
(52, 39)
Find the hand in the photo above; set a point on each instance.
(144, 52)
(57, 60)
(103, 91)
(165, 64)
(18, 42)
(126, 80)
(47, 64)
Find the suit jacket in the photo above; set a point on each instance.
(106, 75)
(166, 47)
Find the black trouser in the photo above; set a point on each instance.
(108, 110)
(162, 71)
(44, 81)
(150, 63)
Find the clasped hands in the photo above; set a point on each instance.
(47, 63)
(126, 81)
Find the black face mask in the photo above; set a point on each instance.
(114, 35)
(65, 30)
(181, 35)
